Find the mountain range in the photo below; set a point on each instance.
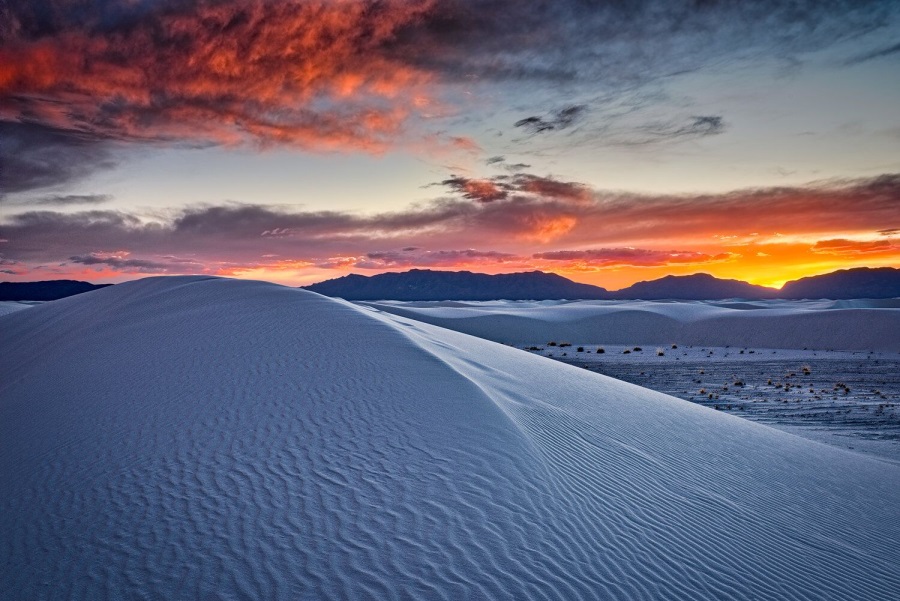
(44, 291)
(428, 285)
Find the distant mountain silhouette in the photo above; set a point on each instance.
(428, 285)
(861, 282)
(700, 286)
(44, 291)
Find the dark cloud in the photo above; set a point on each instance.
(482, 190)
(615, 44)
(426, 258)
(322, 75)
(880, 53)
(34, 156)
(707, 125)
(537, 213)
(65, 200)
(558, 120)
(551, 188)
(11, 267)
(655, 133)
(501, 187)
(122, 263)
(501, 162)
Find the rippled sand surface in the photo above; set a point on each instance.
(203, 438)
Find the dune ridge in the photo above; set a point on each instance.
(207, 438)
(841, 325)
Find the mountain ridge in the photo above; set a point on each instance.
(413, 285)
(45, 290)
(434, 285)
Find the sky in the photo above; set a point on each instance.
(296, 141)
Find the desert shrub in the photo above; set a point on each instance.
(580, 349)
(674, 346)
(551, 343)
(563, 344)
(601, 350)
(638, 349)
(626, 352)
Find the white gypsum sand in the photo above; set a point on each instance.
(849, 399)
(862, 416)
(12, 306)
(209, 438)
(870, 325)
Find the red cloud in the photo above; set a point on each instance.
(482, 190)
(842, 246)
(548, 187)
(309, 74)
(636, 257)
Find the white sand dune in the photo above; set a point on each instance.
(201, 438)
(13, 306)
(848, 325)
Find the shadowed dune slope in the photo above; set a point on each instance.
(203, 438)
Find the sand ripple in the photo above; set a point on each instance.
(191, 438)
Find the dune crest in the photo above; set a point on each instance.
(870, 325)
